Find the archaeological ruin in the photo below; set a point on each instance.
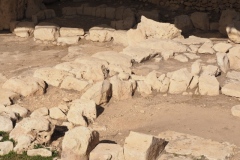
(120, 79)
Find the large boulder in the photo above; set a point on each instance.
(153, 29)
(234, 58)
(200, 20)
(24, 29)
(231, 89)
(233, 31)
(6, 125)
(121, 89)
(101, 34)
(208, 85)
(179, 81)
(25, 86)
(114, 58)
(184, 23)
(51, 76)
(6, 147)
(142, 147)
(105, 151)
(81, 110)
(100, 92)
(78, 143)
(227, 17)
(46, 32)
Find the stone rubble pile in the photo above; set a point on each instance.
(110, 74)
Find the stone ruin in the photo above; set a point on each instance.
(114, 75)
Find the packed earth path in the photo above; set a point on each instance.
(99, 82)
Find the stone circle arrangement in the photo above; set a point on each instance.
(109, 75)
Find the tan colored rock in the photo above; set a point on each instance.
(56, 113)
(43, 152)
(46, 32)
(233, 75)
(7, 97)
(121, 89)
(222, 47)
(78, 143)
(104, 151)
(153, 29)
(120, 37)
(236, 111)
(234, 58)
(208, 85)
(100, 92)
(72, 83)
(17, 109)
(196, 68)
(114, 58)
(143, 88)
(210, 70)
(6, 125)
(152, 80)
(139, 54)
(223, 62)
(51, 76)
(196, 147)
(25, 126)
(24, 29)
(6, 147)
(142, 147)
(179, 81)
(71, 32)
(231, 89)
(181, 58)
(68, 40)
(134, 36)
(206, 48)
(101, 34)
(25, 86)
(233, 31)
(40, 112)
(82, 108)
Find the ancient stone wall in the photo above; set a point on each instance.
(11, 10)
(200, 5)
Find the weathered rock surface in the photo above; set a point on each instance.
(179, 81)
(184, 23)
(25, 86)
(233, 75)
(51, 76)
(121, 89)
(46, 32)
(82, 108)
(7, 97)
(71, 32)
(234, 58)
(104, 151)
(6, 147)
(39, 152)
(100, 92)
(72, 83)
(142, 147)
(200, 20)
(6, 124)
(222, 47)
(114, 58)
(236, 111)
(153, 29)
(57, 113)
(223, 62)
(208, 85)
(233, 31)
(139, 54)
(40, 112)
(196, 147)
(231, 89)
(78, 143)
(101, 34)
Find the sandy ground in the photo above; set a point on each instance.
(204, 116)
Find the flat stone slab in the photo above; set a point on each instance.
(231, 89)
(233, 75)
(196, 147)
(115, 58)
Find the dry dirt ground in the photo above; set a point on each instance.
(204, 116)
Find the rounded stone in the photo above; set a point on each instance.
(236, 111)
